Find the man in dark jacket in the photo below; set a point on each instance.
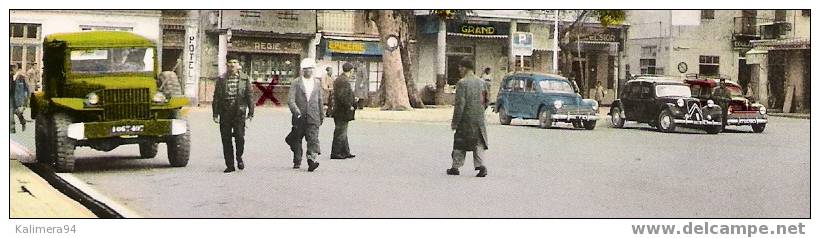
(344, 112)
(305, 103)
(231, 107)
(20, 94)
(468, 120)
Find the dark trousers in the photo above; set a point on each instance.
(340, 146)
(19, 112)
(310, 133)
(232, 126)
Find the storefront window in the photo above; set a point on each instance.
(375, 75)
(267, 67)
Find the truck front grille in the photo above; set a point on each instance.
(131, 103)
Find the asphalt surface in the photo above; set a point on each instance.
(635, 172)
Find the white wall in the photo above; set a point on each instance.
(145, 23)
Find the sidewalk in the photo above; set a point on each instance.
(791, 115)
(32, 197)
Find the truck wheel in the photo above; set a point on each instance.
(503, 117)
(41, 131)
(714, 129)
(544, 118)
(63, 146)
(665, 121)
(590, 125)
(148, 150)
(617, 120)
(758, 128)
(179, 147)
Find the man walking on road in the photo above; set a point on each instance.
(344, 111)
(468, 120)
(19, 94)
(327, 90)
(362, 84)
(231, 107)
(305, 103)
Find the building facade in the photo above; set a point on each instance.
(720, 43)
(27, 28)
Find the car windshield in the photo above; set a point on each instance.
(555, 86)
(673, 91)
(734, 91)
(117, 60)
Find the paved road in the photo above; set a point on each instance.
(399, 172)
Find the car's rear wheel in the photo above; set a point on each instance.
(665, 121)
(544, 118)
(503, 117)
(617, 117)
(758, 128)
(148, 150)
(63, 145)
(590, 125)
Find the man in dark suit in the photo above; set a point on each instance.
(344, 112)
(305, 103)
(231, 107)
(468, 120)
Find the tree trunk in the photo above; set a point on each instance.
(407, 26)
(395, 89)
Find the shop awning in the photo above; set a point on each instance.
(599, 42)
(784, 44)
(351, 38)
(478, 36)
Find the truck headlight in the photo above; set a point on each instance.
(710, 103)
(680, 102)
(92, 99)
(762, 110)
(159, 97)
(558, 104)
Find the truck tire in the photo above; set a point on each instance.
(148, 150)
(179, 146)
(63, 146)
(41, 139)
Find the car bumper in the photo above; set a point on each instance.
(571, 117)
(127, 129)
(694, 122)
(744, 119)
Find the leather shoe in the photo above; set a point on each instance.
(312, 165)
(350, 156)
(482, 171)
(453, 171)
(296, 166)
(338, 157)
(240, 165)
(228, 170)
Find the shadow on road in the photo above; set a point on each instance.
(118, 163)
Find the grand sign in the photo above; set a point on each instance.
(471, 29)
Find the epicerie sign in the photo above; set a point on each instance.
(346, 46)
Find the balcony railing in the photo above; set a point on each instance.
(344, 22)
(750, 26)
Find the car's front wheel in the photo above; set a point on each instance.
(590, 125)
(617, 117)
(665, 121)
(714, 129)
(544, 118)
(758, 128)
(503, 117)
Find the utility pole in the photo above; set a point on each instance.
(555, 45)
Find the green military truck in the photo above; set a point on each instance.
(100, 90)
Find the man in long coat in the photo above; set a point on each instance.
(305, 103)
(344, 107)
(231, 107)
(468, 120)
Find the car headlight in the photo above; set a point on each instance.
(92, 99)
(558, 104)
(159, 97)
(680, 102)
(762, 110)
(710, 103)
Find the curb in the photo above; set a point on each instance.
(788, 115)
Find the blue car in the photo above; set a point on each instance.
(547, 97)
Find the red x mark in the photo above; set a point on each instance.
(267, 91)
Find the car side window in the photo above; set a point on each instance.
(635, 91)
(508, 84)
(517, 85)
(646, 90)
(528, 85)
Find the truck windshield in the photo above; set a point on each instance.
(673, 91)
(116, 60)
(555, 86)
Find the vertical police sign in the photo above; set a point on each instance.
(191, 63)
